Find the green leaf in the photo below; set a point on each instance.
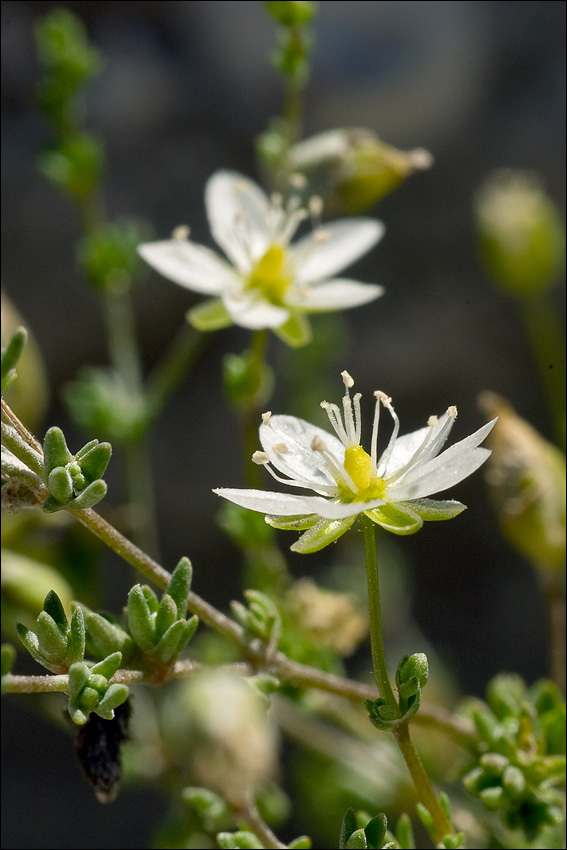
(140, 621)
(108, 666)
(90, 496)
(166, 647)
(296, 332)
(60, 485)
(54, 607)
(211, 315)
(93, 462)
(108, 637)
(404, 832)
(324, 531)
(348, 826)
(180, 585)
(114, 696)
(356, 840)
(76, 635)
(375, 830)
(79, 675)
(10, 355)
(8, 656)
(166, 615)
(188, 632)
(53, 645)
(30, 641)
(55, 450)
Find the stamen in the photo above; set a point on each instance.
(452, 412)
(266, 417)
(348, 380)
(432, 421)
(181, 232)
(339, 473)
(374, 443)
(297, 180)
(334, 415)
(387, 402)
(260, 458)
(315, 210)
(280, 448)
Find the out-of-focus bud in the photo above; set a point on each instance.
(351, 169)
(327, 618)
(521, 233)
(219, 721)
(27, 396)
(526, 478)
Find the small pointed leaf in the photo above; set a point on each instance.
(180, 585)
(55, 450)
(53, 606)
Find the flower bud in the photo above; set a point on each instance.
(526, 479)
(520, 232)
(351, 169)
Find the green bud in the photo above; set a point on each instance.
(513, 781)
(412, 674)
(404, 831)
(248, 381)
(493, 798)
(291, 13)
(180, 585)
(99, 401)
(63, 48)
(109, 256)
(493, 764)
(115, 695)
(75, 166)
(521, 234)
(55, 451)
(78, 677)
(60, 485)
(89, 698)
(140, 621)
(526, 480)
(10, 356)
(241, 839)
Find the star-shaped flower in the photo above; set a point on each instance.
(390, 489)
(265, 282)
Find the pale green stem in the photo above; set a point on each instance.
(441, 824)
(252, 472)
(173, 367)
(255, 823)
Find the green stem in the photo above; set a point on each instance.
(252, 472)
(441, 824)
(376, 638)
(173, 367)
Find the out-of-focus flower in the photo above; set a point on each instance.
(327, 618)
(526, 478)
(266, 282)
(521, 234)
(390, 490)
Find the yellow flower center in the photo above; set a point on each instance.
(358, 465)
(269, 275)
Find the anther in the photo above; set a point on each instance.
(266, 417)
(260, 458)
(317, 444)
(452, 411)
(181, 232)
(348, 381)
(280, 448)
(432, 421)
(321, 235)
(385, 399)
(297, 180)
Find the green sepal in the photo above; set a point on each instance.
(114, 696)
(356, 840)
(296, 332)
(167, 645)
(90, 496)
(348, 826)
(323, 532)
(293, 523)
(76, 635)
(108, 666)
(180, 585)
(10, 355)
(107, 637)
(93, 462)
(395, 519)
(55, 451)
(140, 621)
(433, 510)
(52, 644)
(210, 315)
(166, 615)
(60, 485)
(375, 830)
(240, 840)
(53, 606)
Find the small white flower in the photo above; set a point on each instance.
(390, 489)
(266, 282)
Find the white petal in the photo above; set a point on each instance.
(347, 240)
(438, 474)
(238, 212)
(284, 504)
(332, 295)
(250, 309)
(188, 264)
(300, 461)
(405, 447)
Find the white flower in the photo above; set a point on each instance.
(391, 490)
(266, 282)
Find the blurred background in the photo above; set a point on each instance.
(186, 88)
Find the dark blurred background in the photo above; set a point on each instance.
(185, 89)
